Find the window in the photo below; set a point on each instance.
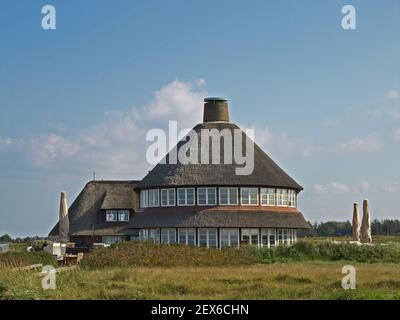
(144, 199)
(281, 197)
(154, 198)
(206, 196)
(272, 237)
(207, 238)
(228, 196)
(186, 197)
(167, 197)
(281, 239)
(168, 235)
(187, 236)
(229, 238)
(249, 196)
(267, 197)
(292, 198)
(249, 236)
(111, 216)
(111, 239)
(154, 235)
(143, 234)
(123, 215)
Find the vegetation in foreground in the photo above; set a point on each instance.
(306, 270)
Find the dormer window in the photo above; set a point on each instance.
(117, 215)
(111, 215)
(123, 215)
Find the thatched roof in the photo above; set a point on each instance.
(84, 213)
(218, 218)
(266, 172)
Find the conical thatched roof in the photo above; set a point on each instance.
(266, 172)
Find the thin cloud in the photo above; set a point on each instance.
(392, 95)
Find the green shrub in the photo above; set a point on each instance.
(152, 255)
(328, 251)
(20, 259)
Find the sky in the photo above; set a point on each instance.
(324, 101)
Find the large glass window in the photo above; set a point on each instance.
(143, 234)
(229, 238)
(292, 198)
(249, 236)
(187, 236)
(228, 196)
(206, 196)
(207, 238)
(111, 215)
(267, 196)
(186, 197)
(154, 235)
(167, 197)
(154, 198)
(144, 198)
(249, 196)
(281, 197)
(168, 235)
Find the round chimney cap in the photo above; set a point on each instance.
(215, 99)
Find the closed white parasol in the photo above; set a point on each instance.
(63, 226)
(366, 224)
(356, 223)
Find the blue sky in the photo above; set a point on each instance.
(325, 102)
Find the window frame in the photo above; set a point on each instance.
(231, 231)
(185, 232)
(229, 196)
(208, 237)
(115, 214)
(283, 197)
(167, 190)
(249, 197)
(207, 202)
(144, 198)
(186, 197)
(124, 211)
(267, 195)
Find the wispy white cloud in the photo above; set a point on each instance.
(280, 144)
(340, 188)
(392, 188)
(117, 144)
(392, 95)
(370, 143)
(5, 142)
(390, 111)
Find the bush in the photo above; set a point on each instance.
(328, 251)
(20, 259)
(162, 255)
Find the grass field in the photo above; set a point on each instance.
(308, 270)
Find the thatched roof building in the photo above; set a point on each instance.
(203, 201)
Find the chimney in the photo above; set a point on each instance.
(216, 109)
